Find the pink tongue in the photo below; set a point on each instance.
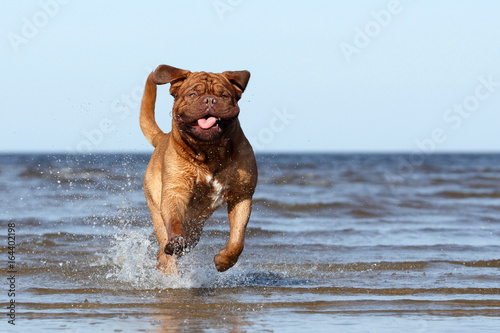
(207, 123)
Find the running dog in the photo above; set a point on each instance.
(203, 162)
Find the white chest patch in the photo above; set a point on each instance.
(216, 192)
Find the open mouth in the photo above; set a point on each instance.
(207, 122)
(206, 128)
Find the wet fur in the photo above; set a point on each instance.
(193, 171)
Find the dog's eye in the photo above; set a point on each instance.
(224, 96)
(192, 95)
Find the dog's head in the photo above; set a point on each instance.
(205, 104)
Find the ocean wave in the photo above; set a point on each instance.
(305, 179)
(479, 263)
(298, 207)
(251, 232)
(381, 266)
(329, 208)
(71, 175)
(465, 195)
(353, 267)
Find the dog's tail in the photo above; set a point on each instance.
(147, 119)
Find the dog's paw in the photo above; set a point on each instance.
(175, 245)
(223, 261)
(167, 264)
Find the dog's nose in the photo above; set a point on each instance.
(210, 100)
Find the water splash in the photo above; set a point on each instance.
(131, 260)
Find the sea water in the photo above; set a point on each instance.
(336, 242)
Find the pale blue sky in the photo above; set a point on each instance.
(334, 76)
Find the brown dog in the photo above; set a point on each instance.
(203, 162)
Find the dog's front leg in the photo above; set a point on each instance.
(166, 262)
(173, 211)
(239, 214)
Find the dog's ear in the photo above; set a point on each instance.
(167, 74)
(239, 80)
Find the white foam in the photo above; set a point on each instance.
(132, 258)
